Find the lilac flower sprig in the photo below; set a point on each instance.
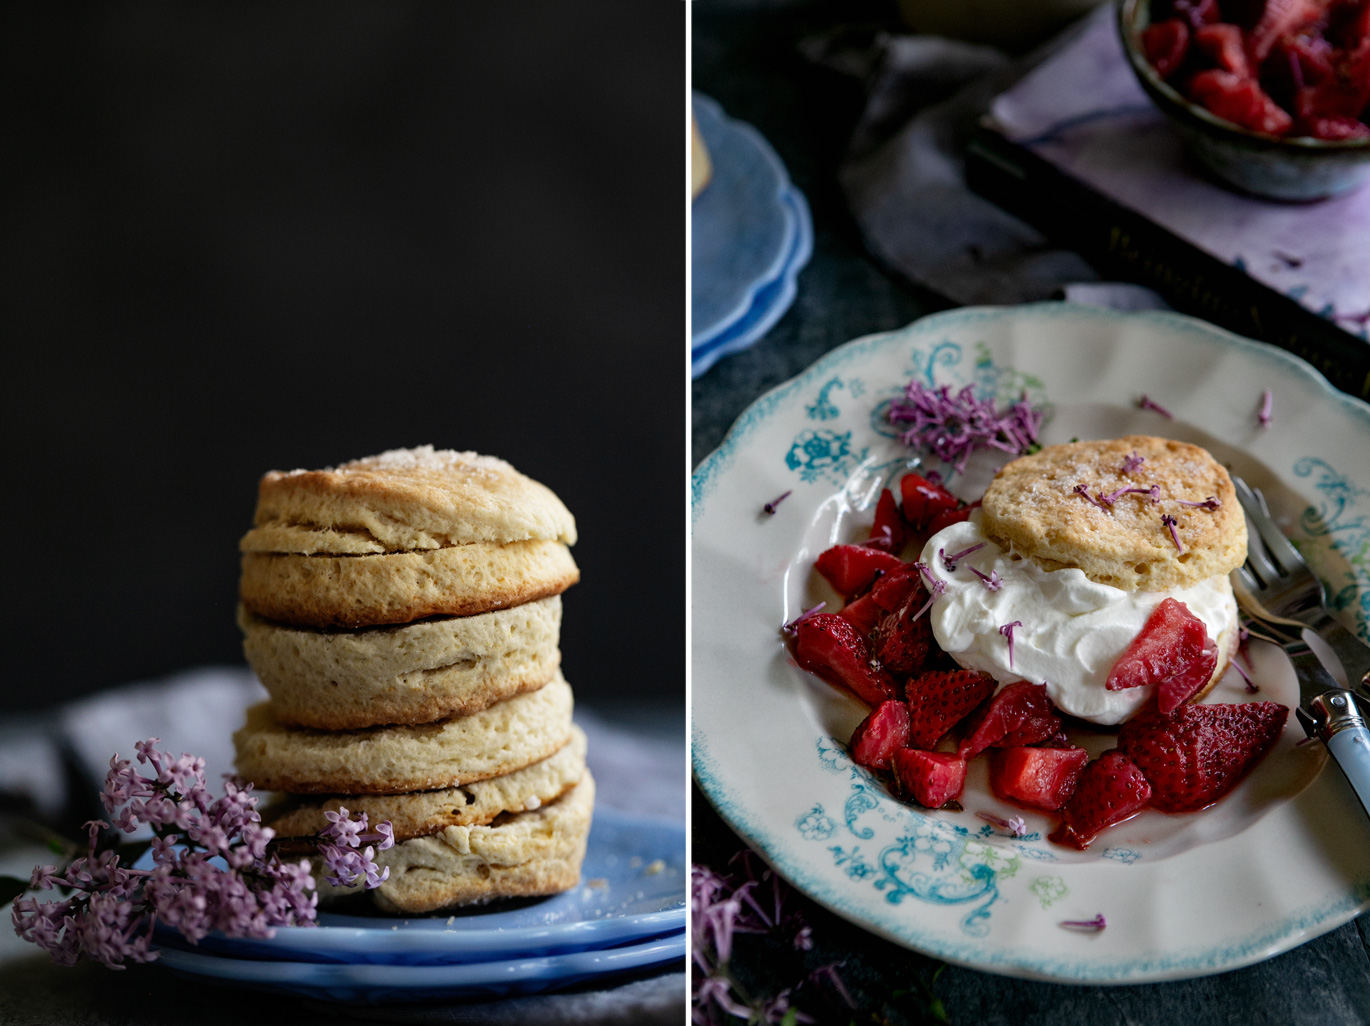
(950, 561)
(1211, 503)
(935, 588)
(1016, 826)
(212, 868)
(1095, 924)
(339, 845)
(1083, 492)
(1154, 492)
(1132, 462)
(1263, 415)
(993, 582)
(1170, 523)
(770, 507)
(1147, 403)
(1007, 631)
(793, 625)
(952, 427)
(751, 899)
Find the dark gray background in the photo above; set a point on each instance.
(243, 237)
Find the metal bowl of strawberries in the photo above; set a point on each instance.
(1272, 96)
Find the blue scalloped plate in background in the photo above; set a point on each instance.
(750, 234)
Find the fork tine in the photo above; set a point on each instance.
(1277, 546)
(1261, 567)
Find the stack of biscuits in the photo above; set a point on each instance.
(403, 612)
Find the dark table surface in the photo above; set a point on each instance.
(745, 56)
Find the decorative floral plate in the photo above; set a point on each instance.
(750, 235)
(1282, 859)
(632, 888)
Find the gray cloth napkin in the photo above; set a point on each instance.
(904, 173)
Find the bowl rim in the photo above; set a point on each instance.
(1162, 91)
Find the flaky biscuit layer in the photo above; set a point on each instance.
(417, 673)
(392, 760)
(523, 855)
(395, 588)
(403, 500)
(1033, 509)
(421, 813)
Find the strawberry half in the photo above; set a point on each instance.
(923, 500)
(832, 648)
(1202, 752)
(952, 516)
(881, 734)
(863, 614)
(1111, 789)
(1039, 778)
(1171, 642)
(895, 587)
(940, 700)
(929, 778)
(902, 643)
(850, 569)
(889, 532)
(1179, 689)
(1165, 44)
(1020, 714)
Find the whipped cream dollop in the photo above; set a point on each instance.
(1072, 631)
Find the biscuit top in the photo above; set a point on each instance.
(1033, 509)
(403, 500)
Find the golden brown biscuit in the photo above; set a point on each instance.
(416, 673)
(400, 587)
(420, 813)
(393, 760)
(521, 855)
(1034, 509)
(403, 500)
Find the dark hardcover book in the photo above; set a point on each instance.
(1128, 246)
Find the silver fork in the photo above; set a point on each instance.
(1276, 587)
(1280, 588)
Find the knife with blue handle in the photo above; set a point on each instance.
(1332, 714)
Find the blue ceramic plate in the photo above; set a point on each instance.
(632, 887)
(770, 302)
(375, 984)
(744, 227)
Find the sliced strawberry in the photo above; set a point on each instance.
(952, 516)
(940, 700)
(1280, 18)
(902, 643)
(1202, 752)
(1179, 689)
(894, 589)
(1222, 44)
(1239, 100)
(1040, 778)
(889, 532)
(1343, 93)
(831, 647)
(1336, 128)
(1165, 44)
(929, 778)
(923, 499)
(1170, 642)
(1111, 789)
(1020, 714)
(863, 614)
(850, 569)
(881, 734)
